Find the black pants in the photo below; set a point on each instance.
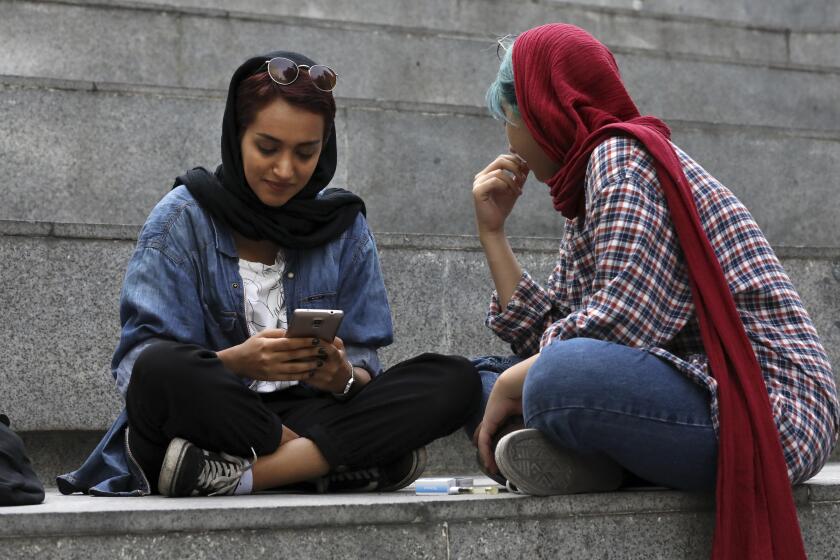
(182, 390)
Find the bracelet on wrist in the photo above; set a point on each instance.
(345, 394)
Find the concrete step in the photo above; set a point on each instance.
(198, 49)
(785, 13)
(59, 332)
(631, 523)
(73, 153)
(670, 26)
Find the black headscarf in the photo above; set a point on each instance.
(304, 221)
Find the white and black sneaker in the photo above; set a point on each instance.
(533, 465)
(384, 478)
(189, 470)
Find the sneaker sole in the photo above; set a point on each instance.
(171, 464)
(413, 474)
(536, 466)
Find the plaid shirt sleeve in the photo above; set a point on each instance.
(525, 317)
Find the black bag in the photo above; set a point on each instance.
(19, 485)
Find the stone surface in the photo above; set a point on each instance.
(199, 51)
(59, 321)
(649, 523)
(25, 228)
(386, 541)
(617, 26)
(816, 47)
(110, 155)
(113, 154)
(56, 452)
(514, 15)
(786, 13)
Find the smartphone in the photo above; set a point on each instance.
(315, 323)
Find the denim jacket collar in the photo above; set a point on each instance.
(224, 240)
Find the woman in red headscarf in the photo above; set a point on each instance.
(669, 342)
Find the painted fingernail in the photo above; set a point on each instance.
(315, 342)
(322, 352)
(312, 373)
(319, 364)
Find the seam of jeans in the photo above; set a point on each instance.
(620, 413)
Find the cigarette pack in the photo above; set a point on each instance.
(435, 486)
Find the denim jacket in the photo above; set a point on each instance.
(183, 283)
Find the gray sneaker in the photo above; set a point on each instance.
(534, 465)
(189, 470)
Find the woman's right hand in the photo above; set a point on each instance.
(495, 191)
(270, 356)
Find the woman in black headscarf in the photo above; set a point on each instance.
(219, 400)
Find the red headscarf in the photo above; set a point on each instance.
(571, 98)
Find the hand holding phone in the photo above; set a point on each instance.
(331, 368)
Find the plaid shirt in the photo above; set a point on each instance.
(621, 277)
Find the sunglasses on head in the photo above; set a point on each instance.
(503, 44)
(285, 71)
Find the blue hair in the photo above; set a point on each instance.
(502, 92)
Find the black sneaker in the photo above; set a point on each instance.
(189, 470)
(533, 465)
(403, 471)
(385, 478)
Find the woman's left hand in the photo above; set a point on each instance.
(330, 368)
(505, 401)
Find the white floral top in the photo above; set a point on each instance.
(265, 307)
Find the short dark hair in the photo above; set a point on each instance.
(256, 92)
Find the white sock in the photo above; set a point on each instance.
(246, 483)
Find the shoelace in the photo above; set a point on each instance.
(368, 474)
(221, 476)
(329, 482)
(513, 488)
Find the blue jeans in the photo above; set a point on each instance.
(592, 396)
